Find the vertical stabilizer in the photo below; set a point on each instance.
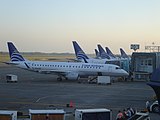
(102, 52)
(97, 53)
(123, 53)
(110, 53)
(14, 54)
(80, 54)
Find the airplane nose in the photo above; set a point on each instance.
(125, 73)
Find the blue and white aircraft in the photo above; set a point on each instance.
(67, 70)
(109, 55)
(103, 53)
(112, 56)
(103, 59)
(82, 57)
(97, 54)
(123, 54)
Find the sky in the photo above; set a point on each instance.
(52, 25)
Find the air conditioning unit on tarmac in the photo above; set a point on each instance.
(104, 80)
(11, 78)
(93, 114)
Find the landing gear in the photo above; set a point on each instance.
(59, 79)
(155, 109)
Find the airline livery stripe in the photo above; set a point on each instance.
(16, 57)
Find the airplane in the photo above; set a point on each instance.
(112, 56)
(97, 54)
(67, 70)
(123, 54)
(82, 57)
(102, 52)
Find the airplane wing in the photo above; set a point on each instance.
(75, 60)
(11, 63)
(56, 72)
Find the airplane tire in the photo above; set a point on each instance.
(59, 79)
(155, 109)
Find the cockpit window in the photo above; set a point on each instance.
(118, 68)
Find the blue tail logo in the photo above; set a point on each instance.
(14, 54)
(110, 53)
(103, 54)
(97, 53)
(123, 54)
(79, 52)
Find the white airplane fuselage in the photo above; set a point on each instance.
(64, 68)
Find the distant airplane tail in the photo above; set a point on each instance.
(102, 52)
(110, 53)
(79, 52)
(14, 54)
(123, 53)
(97, 53)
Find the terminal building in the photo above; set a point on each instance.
(143, 64)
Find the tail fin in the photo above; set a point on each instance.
(14, 54)
(110, 53)
(97, 53)
(103, 54)
(78, 51)
(123, 54)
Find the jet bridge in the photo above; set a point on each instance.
(143, 64)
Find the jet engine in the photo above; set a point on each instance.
(72, 76)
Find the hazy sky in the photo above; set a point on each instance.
(51, 25)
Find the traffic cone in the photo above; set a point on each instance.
(71, 104)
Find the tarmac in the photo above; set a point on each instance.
(43, 91)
